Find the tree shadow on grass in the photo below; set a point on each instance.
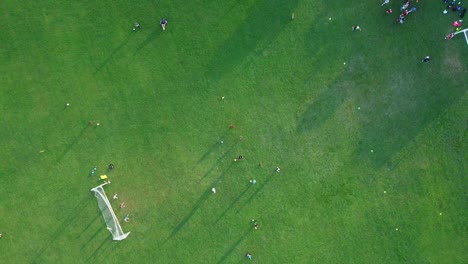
(322, 109)
(234, 245)
(257, 28)
(407, 111)
(389, 117)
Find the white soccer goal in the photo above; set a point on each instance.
(111, 220)
(465, 31)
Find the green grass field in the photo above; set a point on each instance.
(372, 152)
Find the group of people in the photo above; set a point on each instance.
(121, 206)
(254, 222)
(94, 169)
(110, 168)
(405, 8)
(163, 24)
(455, 7)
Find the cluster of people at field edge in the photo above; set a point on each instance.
(455, 7)
(405, 9)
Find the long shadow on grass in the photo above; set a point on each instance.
(105, 242)
(211, 149)
(233, 203)
(216, 163)
(257, 191)
(80, 206)
(195, 208)
(265, 21)
(149, 39)
(198, 204)
(116, 50)
(90, 223)
(234, 245)
(98, 230)
(207, 153)
(70, 146)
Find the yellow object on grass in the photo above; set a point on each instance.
(103, 177)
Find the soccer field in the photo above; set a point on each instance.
(369, 139)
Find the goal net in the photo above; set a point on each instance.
(465, 32)
(111, 220)
(466, 35)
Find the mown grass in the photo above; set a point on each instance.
(365, 148)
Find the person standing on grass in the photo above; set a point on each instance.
(405, 6)
(385, 2)
(426, 59)
(136, 26)
(163, 23)
(462, 13)
(256, 226)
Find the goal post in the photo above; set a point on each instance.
(465, 32)
(111, 220)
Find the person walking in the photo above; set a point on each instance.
(163, 23)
